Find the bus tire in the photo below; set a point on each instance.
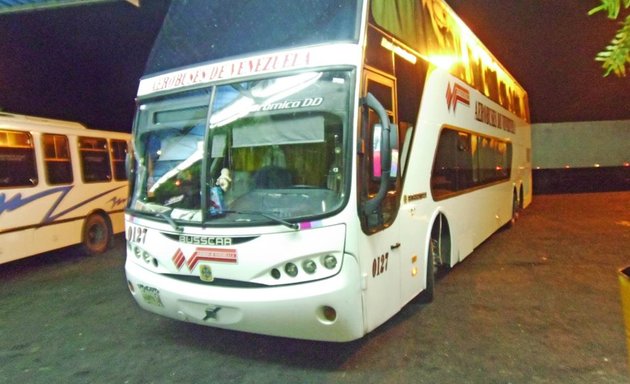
(438, 255)
(515, 211)
(426, 296)
(97, 234)
(431, 272)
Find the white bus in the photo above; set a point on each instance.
(304, 169)
(60, 184)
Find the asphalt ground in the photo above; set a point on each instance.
(539, 303)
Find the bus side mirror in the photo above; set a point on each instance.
(378, 163)
(385, 140)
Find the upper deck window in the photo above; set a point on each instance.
(435, 33)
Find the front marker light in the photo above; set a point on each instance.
(291, 269)
(330, 261)
(309, 266)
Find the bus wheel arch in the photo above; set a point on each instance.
(97, 233)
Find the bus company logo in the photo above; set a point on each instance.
(455, 94)
(117, 201)
(204, 254)
(179, 259)
(205, 273)
(204, 240)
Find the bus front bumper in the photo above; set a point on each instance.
(327, 310)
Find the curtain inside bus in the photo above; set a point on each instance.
(196, 31)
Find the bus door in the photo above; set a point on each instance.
(379, 197)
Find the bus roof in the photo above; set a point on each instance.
(33, 123)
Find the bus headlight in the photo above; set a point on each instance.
(330, 261)
(141, 254)
(291, 269)
(309, 266)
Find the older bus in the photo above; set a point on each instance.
(60, 184)
(304, 169)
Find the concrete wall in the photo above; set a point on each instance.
(591, 156)
(581, 144)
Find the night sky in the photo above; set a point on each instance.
(83, 63)
(80, 63)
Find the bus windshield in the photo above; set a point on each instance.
(256, 151)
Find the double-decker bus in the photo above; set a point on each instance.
(304, 169)
(61, 184)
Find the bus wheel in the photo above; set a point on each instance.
(432, 269)
(437, 257)
(97, 234)
(515, 211)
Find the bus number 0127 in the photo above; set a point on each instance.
(379, 264)
(137, 234)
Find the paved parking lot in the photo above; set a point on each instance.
(535, 304)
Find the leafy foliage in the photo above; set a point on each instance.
(616, 55)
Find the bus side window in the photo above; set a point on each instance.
(464, 161)
(57, 159)
(17, 160)
(452, 167)
(409, 93)
(119, 154)
(383, 89)
(94, 159)
(404, 152)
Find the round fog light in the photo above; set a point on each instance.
(309, 266)
(291, 269)
(329, 313)
(275, 273)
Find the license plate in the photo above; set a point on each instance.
(150, 295)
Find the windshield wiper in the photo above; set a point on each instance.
(273, 218)
(278, 220)
(169, 220)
